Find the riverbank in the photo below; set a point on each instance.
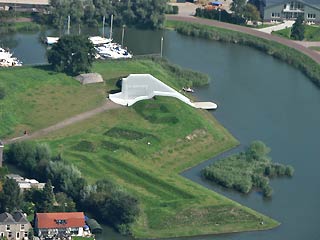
(207, 30)
(143, 149)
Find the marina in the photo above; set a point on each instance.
(7, 59)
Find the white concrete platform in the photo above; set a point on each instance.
(137, 87)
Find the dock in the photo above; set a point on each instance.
(205, 105)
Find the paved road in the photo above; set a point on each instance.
(315, 56)
(80, 117)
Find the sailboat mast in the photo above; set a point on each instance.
(68, 25)
(111, 24)
(103, 22)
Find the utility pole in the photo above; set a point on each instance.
(161, 47)
(111, 24)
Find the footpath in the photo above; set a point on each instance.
(80, 117)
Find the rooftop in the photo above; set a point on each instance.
(315, 3)
(60, 220)
(27, 2)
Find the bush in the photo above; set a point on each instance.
(289, 171)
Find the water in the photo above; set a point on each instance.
(259, 98)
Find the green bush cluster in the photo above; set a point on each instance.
(247, 170)
(172, 9)
(187, 77)
(298, 60)
(105, 199)
(222, 15)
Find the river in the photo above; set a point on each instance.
(259, 98)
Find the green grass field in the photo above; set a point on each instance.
(312, 33)
(142, 148)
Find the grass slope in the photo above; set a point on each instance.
(36, 98)
(312, 33)
(145, 147)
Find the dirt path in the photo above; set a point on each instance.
(80, 117)
(312, 54)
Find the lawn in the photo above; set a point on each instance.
(312, 33)
(36, 97)
(144, 148)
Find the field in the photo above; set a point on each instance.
(312, 33)
(143, 149)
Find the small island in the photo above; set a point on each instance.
(251, 169)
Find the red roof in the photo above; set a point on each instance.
(60, 220)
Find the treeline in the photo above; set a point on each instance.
(107, 201)
(298, 60)
(247, 170)
(140, 13)
(221, 15)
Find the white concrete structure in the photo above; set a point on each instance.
(137, 87)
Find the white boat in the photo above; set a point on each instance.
(188, 89)
(113, 50)
(51, 40)
(97, 40)
(6, 59)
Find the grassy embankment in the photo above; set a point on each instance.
(293, 57)
(12, 27)
(114, 145)
(312, 33)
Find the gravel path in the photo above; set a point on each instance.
(315, 56)
(80, 117)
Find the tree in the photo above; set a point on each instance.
(72, 55)
(10, 197)
(47, 198)
(251, 13)
(64, 203)
(238, 7)
(297, 31)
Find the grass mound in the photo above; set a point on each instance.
(112, 146)
(156, 113)
(128, 134)
(85, 146)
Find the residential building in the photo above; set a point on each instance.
(280, 10)
(25, 183)
(60, 225)
(15, 226)
(23, 5)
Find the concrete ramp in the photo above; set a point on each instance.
(137, 87)
(205, 105)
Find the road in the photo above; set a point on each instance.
(190, 19)
(108, 105)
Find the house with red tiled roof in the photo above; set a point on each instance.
(60, 225)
